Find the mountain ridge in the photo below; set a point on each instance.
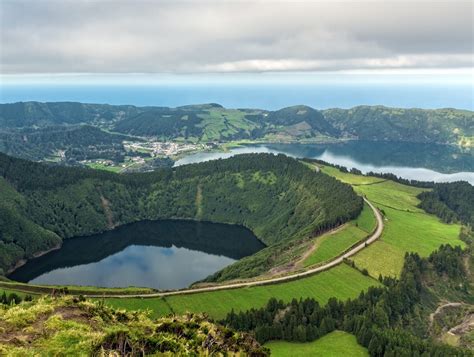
(212, 122)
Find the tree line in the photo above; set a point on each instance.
(451, 202)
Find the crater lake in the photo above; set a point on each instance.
(168, 254)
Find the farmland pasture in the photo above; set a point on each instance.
(334, 243)
(334, 344)
(407, 227)
(405, 232)
(342, 282)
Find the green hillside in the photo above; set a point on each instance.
(281, 200)
(68, 326)
(407, 227)
(444, 126)
(212, 122)
(26, 114)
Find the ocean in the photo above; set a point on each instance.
(263, 96)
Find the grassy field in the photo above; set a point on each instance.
(342, 282)
(349, 178)
(332, 244)
(393, 195)
(97, 166)
(366, 220)
(77, 290)
(334, 344)
(19, 293)
(407, 227)
(405, 232)
(218, 123)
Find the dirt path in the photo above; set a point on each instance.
(107, 211)
(442, 307)
(376, 235)
(199, 202)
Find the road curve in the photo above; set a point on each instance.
(377, 233)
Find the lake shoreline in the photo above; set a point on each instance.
(23, 261)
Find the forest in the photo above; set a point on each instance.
(280, 199)
(452, 202)
(390, 320)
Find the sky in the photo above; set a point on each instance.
(114, 39)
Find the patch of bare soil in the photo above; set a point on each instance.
(441, 308)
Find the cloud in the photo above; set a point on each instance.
(197, 36)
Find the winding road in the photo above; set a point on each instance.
(377, 233)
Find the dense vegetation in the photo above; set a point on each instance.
(212, 122)
(281, 200)
(444, 126)
(73, 142)
(389, 321)
(451, 202)
(71, 326)
(27, 114)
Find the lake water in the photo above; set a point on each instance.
(157, 254)
(423, 162)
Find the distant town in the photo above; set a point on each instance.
(146, 155)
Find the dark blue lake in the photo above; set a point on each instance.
(159, 254)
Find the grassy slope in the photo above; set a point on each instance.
(332, 244)
(67, 327)
(407, 227)
(342, 282)
(334, 344)
(222, 123)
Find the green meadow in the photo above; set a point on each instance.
(342, 282)
(405, 232)
(407, 228)
(366, 220)
(334, 344)
(349, 178)
(333, 244)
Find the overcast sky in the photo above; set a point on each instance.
(252, 36)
